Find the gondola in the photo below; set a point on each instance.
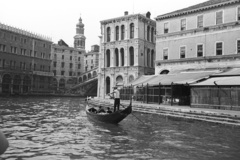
(113, 118)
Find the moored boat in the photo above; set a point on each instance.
(113, 118)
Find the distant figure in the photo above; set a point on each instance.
(3, 140)
(101, 110)
(108, 110)
(116, 94)
(93, 110)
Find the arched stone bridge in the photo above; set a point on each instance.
(87, 83)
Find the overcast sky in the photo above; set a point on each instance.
(58, 18)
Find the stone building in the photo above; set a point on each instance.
(205, 35)
(91, 58)
(127, 50)
(203, 38)
(24, 62)
(66, 65)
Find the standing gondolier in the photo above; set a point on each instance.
(116, 95)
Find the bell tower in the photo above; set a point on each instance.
(79, 38)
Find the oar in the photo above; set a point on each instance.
(134, 115)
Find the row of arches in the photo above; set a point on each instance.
(119, 59)
(15, 84)
(87, 77)
(120, 33)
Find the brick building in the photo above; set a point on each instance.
(24, 62)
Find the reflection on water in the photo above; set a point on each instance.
(57, 128)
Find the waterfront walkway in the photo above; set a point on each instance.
(226, 117)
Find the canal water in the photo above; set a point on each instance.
(58, 129)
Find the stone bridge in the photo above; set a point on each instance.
(87, 83)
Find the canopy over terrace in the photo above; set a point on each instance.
(185, 77)
(220, 81)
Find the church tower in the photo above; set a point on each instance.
(79, 38)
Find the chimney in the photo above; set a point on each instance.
(125, 13)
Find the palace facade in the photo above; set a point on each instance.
(127, 50)
(24, 62)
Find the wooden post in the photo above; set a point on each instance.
(159, 96)
(171, 93)
(147, 92)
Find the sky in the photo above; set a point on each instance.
(58, 18)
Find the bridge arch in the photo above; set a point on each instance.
(80, 80)
(94, 74)
(84, 78)
(89, 75)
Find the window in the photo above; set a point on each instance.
(86, 61)
(122, 32)
(35, 67)
(71, 65)
(30, 53)
(165, 27)
(2, 47)
(35, 53)
(62, 73)
(108, 58)
(200, 21)
(79, 66)
(219, 48)
(54, 72)
(219, 17)
(148, 33)
(183, 24)
(131, 56)
(152, 34)
(62, 56)
(62, 64)
(199, 50)
(79, 58)
(238, 46)
(117, 33)
(131, 30)
(55, 56)
(70, 58)
(70, 73)
(165, 54)
(238, 13)
(108, 34)
(54, 64)
(182, 52)
(92, 61)
(14, 50)
(116, 57)
(91, 67)
(23, 51)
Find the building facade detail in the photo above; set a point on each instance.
(79, 38)
(127, 50)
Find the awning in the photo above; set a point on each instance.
(185, 77)
(141, 80)
(220, 81)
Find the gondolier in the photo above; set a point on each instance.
(116, 95)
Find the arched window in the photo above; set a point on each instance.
(122, 56)
(119, 80)
(152, 58)
(108, 58)
(148, 33)
(148, 57)
(108, 34)
(152, 34)
(131, 56)
(84, 78)
(122, 32)
(117, 33)
(116, 57)
(107, 85)
(131, 30)
(164, 72)
(131, 78)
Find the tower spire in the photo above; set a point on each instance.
(79, 38)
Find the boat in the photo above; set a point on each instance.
(113, 118)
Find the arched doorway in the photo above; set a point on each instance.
(62, 84)
(107, 85)
(89, 76)
(16, 84)
(6, 83)
(26, 84)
